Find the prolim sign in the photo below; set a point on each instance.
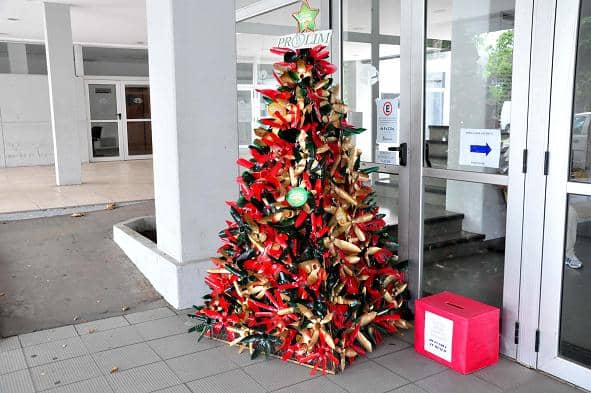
(304, 40)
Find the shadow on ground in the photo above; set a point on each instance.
(63, 270)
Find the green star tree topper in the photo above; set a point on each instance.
(306, 17)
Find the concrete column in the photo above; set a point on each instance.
(17, 58)
(60, 73)
(192, 59)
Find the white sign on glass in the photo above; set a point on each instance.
(386, 157)
(387, 120)
(439, 333)
(480, 147)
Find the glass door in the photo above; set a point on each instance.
(104, 112)
(371, 84)
(565, 305)
(432, 82)
(120, 124)
(471, 181)
(138, 127)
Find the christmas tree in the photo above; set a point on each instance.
(308, 268)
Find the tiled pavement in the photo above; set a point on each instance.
(150, 351)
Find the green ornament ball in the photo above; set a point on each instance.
(297, 196)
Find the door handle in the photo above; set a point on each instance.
(402, 152)
(119, 116)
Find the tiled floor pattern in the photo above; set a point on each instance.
(150, 351)
(33, 188)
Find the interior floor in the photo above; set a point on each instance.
(33, 188)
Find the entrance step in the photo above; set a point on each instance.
(438, 133)
(439, 221)
(437, 149)
(449, 246)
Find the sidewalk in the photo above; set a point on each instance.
(150, 351)
(61, 270)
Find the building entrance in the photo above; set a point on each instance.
(120, 126)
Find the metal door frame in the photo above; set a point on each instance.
(558, 188)
(412, 42)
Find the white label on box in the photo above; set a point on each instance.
(439, 332)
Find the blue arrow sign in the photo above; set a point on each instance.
(484, 149)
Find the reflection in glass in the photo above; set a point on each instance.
(137, 102)
(580, 160)
(115, 61)
(575, 340)
(468, 82)
(244, 73)
(103, 102)
(265, 75)
(357, 92)
(36, 62)
(371, 72)
(464, 239)
(105, 139)
(4, 61)
(244, 117)
(357, 16)
(387, 191)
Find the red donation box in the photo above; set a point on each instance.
(456, 331)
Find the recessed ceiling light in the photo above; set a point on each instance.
(13, 19)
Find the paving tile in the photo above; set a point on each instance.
(65, 372)
(175, 389)
(367, 377)
(407, 336)
(143, 379)
(158, 328)
(53, 351)
(114, 338)
(9, 344)
(45, 336)
(506, 374)
(543, 384)
(11, 361)
(150, 315)
(228, 382)
(389, 345)
(200, 364)
(451, 382)
(274, 374)
(181, 344)
(94, 385)
(100, 325)
(125, 358)
(316, 385)
(185, 311)
(410, 388)
(17, 382)
(242, 359)
(410, 365)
